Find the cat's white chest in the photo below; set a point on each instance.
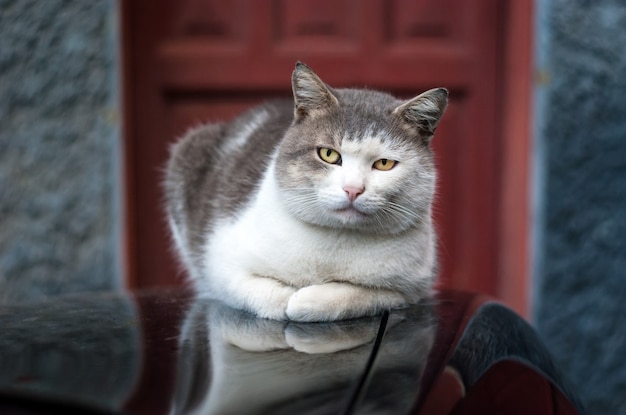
(266, 241)
(270, 243)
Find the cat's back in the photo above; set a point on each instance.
(214, 168)
(245, 151)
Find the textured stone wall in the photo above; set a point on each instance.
(59, 141)
(581, 288)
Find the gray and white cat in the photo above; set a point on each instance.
(310, 212)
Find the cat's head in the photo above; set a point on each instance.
(358, 159)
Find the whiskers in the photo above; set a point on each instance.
(399, 213)
(302, 201)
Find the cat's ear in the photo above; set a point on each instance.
(425, 110)
(310, 94)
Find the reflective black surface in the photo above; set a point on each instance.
(168, 352)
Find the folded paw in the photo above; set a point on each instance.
(265, 297)
(323, 302)
(337, 300)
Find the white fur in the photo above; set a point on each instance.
(242, 136)
(180, 240)
(279, 267)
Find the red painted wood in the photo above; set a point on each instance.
(196, 60)
(515, 220)
(146, 147)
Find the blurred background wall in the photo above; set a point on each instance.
(580, 282)
(59, 148)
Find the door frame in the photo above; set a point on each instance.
(514, 280)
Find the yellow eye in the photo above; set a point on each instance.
(329, 155)
(384, 164)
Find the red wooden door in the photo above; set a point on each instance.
(200, 60)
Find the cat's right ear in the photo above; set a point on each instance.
(311, 95)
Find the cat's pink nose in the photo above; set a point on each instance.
(353, 192)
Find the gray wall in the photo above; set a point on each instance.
(59, 148)
(580, 298)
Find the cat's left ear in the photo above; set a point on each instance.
(425, 110)
(310, 93)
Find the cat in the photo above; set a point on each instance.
(318, 209)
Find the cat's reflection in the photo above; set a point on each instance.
(232, 362)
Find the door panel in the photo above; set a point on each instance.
(194, 61)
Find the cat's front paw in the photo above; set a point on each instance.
(316, 303)
(264, 297)
(338, 300)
